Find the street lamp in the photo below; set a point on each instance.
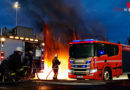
(16, 6)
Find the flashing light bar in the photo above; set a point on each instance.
(36, 40)
(27, 39)
(76, 40)
(11, 37)
(16, 37)
(83, 40)
(31, 39)
(22, 38)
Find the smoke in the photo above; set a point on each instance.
(63, 17)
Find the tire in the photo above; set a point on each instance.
(128, 76)
(107, 74)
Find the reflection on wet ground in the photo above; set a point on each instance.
(67, 84)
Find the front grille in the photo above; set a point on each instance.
(79, 74)
(80, 69)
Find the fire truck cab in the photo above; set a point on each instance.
(100, 60)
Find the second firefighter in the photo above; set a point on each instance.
(55, 64)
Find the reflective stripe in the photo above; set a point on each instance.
(99, 61)
(114, 60)
(102, 61)
(13, 74)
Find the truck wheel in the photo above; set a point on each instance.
(107, 74)
(128, 76)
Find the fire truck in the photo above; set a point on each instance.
(22, 37)
(99, 60)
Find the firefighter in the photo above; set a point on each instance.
(55, 64)
(28, 61)
(15, 62)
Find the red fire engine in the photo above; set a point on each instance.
(100, 60)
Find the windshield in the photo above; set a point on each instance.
(81, 50)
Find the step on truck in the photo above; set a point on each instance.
(99, 60)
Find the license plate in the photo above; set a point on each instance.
(79, 76)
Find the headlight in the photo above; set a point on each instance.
(71, 61)
(84, 66)
(88, 61)
(93, 70)
(69, 71)
(75, 66)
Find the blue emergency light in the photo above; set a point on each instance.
(88, 62)
(84, 66)
(88, 40)
(101, 52)
(76, 66)
(72, 62)
(83, 40)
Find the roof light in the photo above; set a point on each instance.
(22, 38)
(11, 37)
(83, 40)
(16, 37)
(88, 40)
(76, 40)
(26, 38)
(36, 40)
(2, 39)
(31, 39)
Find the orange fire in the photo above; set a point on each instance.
(53, 47)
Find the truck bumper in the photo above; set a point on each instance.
(96, 76)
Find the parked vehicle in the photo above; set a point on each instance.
(100, 60)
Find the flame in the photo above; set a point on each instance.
(53, 47)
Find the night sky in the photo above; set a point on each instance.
(116, 25)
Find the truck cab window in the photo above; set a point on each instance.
(100, 50)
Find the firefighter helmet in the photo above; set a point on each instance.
(56, 55)
(20, 49)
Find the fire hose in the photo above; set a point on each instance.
(50, 72)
